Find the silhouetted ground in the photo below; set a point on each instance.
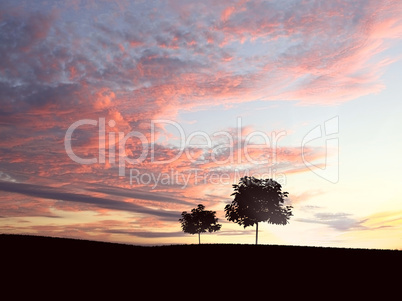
(25, 255)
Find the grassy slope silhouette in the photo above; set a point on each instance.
(40, 251)
(47, 266)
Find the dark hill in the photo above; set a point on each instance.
(25, 254)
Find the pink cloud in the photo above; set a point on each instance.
(227, 12)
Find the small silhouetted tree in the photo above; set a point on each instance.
(258, 200)
(199, 221)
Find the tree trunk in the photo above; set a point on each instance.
(256, 234)
(199, 240)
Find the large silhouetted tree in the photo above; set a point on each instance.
(258, 200)
(199, 221)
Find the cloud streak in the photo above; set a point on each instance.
(56, 194)
(338, 221)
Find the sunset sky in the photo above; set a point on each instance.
(116, 116)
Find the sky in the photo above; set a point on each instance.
(116, 116)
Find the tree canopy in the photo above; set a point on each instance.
(199, 221)
(258, 200)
